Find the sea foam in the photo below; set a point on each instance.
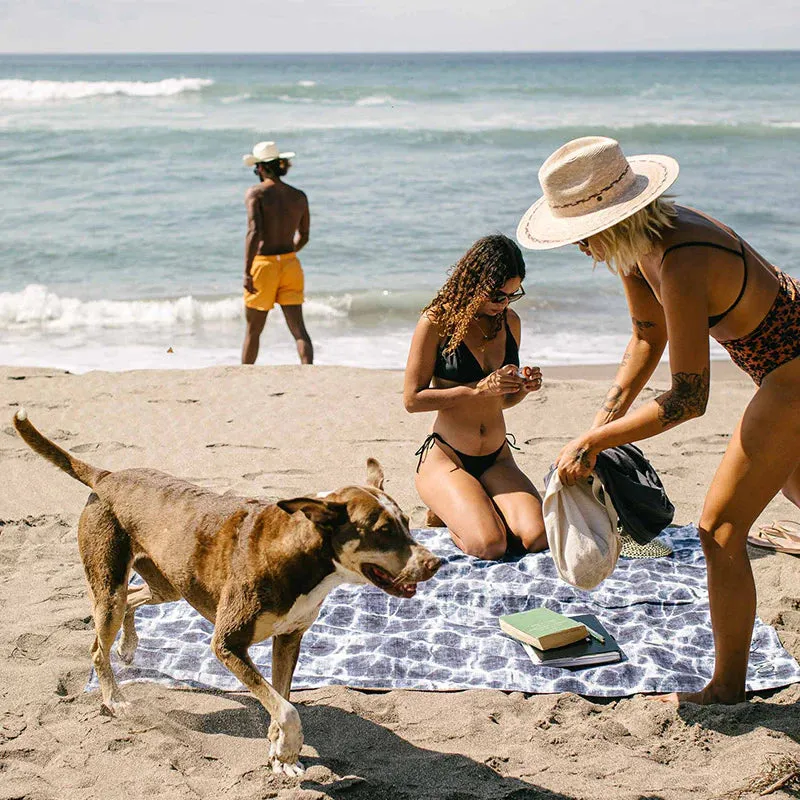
(25, 91)
(36, 306)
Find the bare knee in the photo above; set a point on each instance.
(534, 539)
(720, 538)
(255, 327)
(487, 543)
(792, 494)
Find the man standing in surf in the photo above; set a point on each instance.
(277, 228)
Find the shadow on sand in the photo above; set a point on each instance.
(376, 764)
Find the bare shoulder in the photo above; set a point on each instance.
(298, 194)
(253, 193)
(427, 328)
(692, 225)
(427, 322)
(514, 322)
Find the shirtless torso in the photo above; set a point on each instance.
(278, 224)
(277, 218)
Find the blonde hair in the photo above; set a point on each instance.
(626, 243)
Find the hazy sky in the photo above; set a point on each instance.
(394, 25)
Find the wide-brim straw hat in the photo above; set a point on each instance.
(589, 185)
(265, 151)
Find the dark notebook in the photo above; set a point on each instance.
(587, 652)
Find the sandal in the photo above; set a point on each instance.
(783, 536)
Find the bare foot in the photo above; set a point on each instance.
(705, 697)
(432, 521)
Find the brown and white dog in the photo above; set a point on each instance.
(253, 569)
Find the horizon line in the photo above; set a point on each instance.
(738, 50)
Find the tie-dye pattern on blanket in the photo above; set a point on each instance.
(447, 636)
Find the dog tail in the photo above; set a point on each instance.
(74, 467)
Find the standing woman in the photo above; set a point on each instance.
(686, 276)
(463, 364)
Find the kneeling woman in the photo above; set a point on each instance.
(463, 364)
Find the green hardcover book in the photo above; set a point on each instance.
(543, 628)
(599, 649)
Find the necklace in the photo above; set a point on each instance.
(487, 337)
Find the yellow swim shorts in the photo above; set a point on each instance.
(276, 278)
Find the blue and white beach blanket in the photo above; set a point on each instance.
(447, 637)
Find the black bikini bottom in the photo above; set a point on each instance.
(474, 465)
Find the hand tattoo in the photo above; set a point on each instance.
(581, 456)
(613, 401)
(687, 397)
(642, 324)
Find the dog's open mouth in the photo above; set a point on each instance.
(383, 580)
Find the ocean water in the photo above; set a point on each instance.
(121, 190)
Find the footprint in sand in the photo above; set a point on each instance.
(213, 484)
(91, 447)
(554, 440)
(216, 445)
(715, 443)
(59, 436)
(29, 646)
(251, 476)
(674, 472)
(12, 725)
(379, 441)
(78, 624)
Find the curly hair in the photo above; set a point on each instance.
(483, 269)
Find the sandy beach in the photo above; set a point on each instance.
(279, 432)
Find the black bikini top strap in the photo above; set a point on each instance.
(739, 253)
(744, 282)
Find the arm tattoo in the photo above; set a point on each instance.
(627, 357)
(613, 401)
(642, 324)
(581, 457)
(687, 397)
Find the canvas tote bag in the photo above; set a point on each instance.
(581, 526)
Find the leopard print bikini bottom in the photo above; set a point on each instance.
(776, 340)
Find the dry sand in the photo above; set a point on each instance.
(278, 432)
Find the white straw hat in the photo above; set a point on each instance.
(589, 185)
(264, 151)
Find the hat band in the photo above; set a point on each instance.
(598, 195)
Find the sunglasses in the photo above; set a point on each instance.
(500, 296)
(582, 242)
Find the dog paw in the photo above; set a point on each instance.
(279, 767)
(115, 708)
(285, 743)
(126, 650)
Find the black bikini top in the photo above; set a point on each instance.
(717, 318)
(461, 366)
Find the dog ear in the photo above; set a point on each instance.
(374, 473)
(320, 512)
